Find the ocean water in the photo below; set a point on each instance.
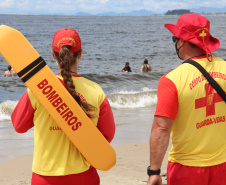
(108, 42)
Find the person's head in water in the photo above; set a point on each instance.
(67, 51)
(9, 68)
(9, 72)
(146, 67)
(127, 67)
(145, 61)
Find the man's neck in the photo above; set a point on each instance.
(197, 53)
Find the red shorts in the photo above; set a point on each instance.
(178, 174)
(89, 177)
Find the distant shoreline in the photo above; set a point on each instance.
(204, 14)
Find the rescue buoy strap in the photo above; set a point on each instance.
(212, 82)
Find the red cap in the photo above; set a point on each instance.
(68, 37)
(195, 28)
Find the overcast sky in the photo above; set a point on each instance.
(100, 6)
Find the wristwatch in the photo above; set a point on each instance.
(153, 172)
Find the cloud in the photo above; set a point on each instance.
(101, 1)
(6, 3)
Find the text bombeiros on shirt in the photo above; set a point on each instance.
(58, 103)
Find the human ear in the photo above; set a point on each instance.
(53, 55)
(80, 54)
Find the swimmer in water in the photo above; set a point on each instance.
(126, 68)
(146, 67)
(10, 72)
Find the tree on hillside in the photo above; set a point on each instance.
(177, 12)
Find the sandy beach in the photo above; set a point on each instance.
(130, 169)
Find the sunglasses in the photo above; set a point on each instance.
(174, 39)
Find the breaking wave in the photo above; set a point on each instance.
(133, 99)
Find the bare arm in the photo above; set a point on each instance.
(6, 73)
(141, 70)
(159, 141)
(150, 68)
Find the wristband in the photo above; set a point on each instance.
(153, 172)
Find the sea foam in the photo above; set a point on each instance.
(6, 109)
(133, 99)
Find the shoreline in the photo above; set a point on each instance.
(130, 168)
